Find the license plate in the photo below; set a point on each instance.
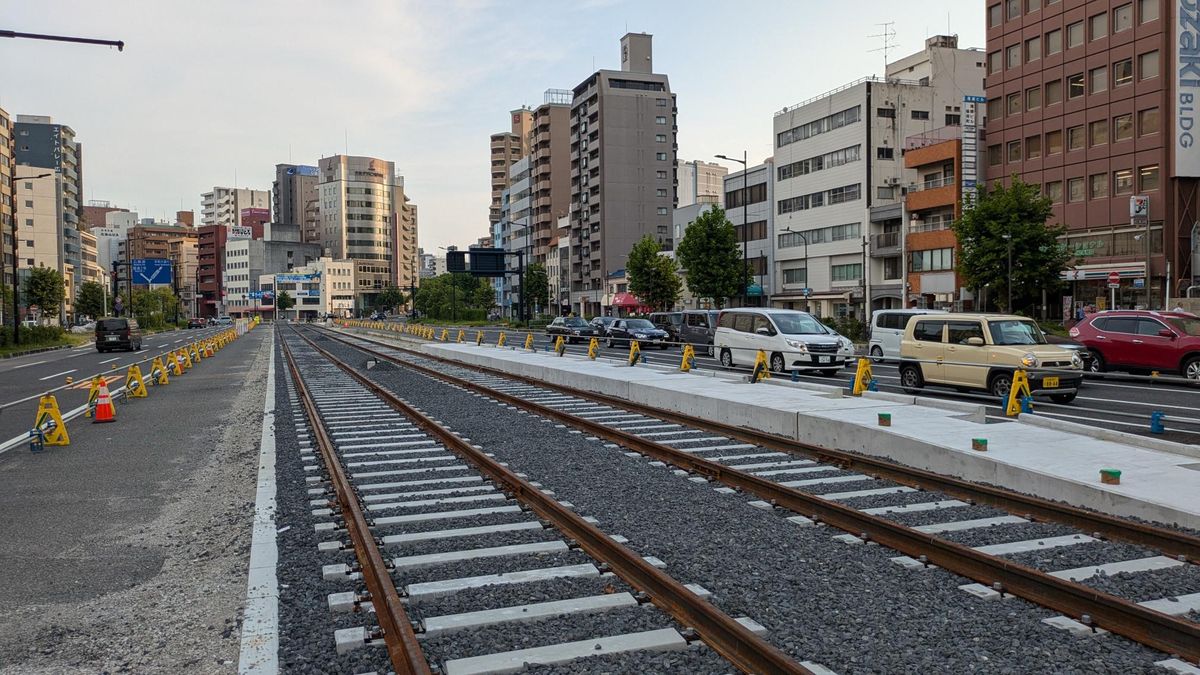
(824, 359)
(111, 338)
(1049, 382)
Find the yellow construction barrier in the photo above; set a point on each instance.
(461, 334)
(176, 363)
(445, 334)
(1020, 398)
(478, 338)
(560, 345)
(93, 394)
(689, 359)
(158, 371)
(500, 341)
(862, 377)
(49, 416)
(187, 358)
(593, 348)
(529, 342)
(135, 386)
(762, 369)
(635, 352)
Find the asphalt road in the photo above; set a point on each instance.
(1113, 401)
(30, 376)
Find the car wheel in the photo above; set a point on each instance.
(1062, 398)
(1001, 385)
(777, 363)
(726, 358)
(911, 380)
(877, 354)
(610, 343)
(1191, 368)
(712, 351)
(1097, 362)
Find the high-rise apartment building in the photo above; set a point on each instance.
(549, 171)
(39, 195)
(367, 218)
(6, 199)
(840, 179)
(223, 206)
(506, 148)
(623, 153)
(39, 143)
(700, 182)
(183, 250)
(294, 187)
(1082, 101)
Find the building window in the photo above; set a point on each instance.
(1098, 133)
(1148, 178)
(883, 152)
(1075, 190)
(1014, 151)
(800, 275)
(1014, 104)
(995, 18)
(1054, 191)
(1122, 128)
(932, 261)
(660, 192)
(660, 174)
(1148, 65)
(994, 62)
(886, 112)
(1032, 5)
(661, 156)
(920, 114)
(660, 138)
(1122, 18)
(851, 272)
(1122, 72)
(1099, 79)
(823, 125)
(995, 109)
(1013, 55)
(1012, 9)
(1147, 10)
(1033, 49)
(662, 210)
(1123, 182)
(1075, 86)
(1075, 139)
(1054, 142)
(1098, 186)
(953, 120)
(1098, 25)
(1054, 93)
(1033, 98)
(1148, 122)
(1054, 41)
(1075, 34)
(994, 156)
(1033, 147)
(660, 102)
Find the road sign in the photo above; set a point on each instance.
(151, 271)
(1139, 283)
(1114, 280)
(807, 292)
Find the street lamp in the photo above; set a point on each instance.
(804, 238)
(453, 301)
(15, 280)
(746, 224)
(1008, 238)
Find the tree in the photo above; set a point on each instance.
(283, 302)
(460, 295)
(91, 300)
(152, 307)
(44, 288)
(390, 298)
(714, 262)
(1011, 217)
(653, 278)
(537, 285)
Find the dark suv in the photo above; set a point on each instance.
(118, 334)
(1142, 340)
(671, 322)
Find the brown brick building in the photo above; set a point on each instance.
(932, 204)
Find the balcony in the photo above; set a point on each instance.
(885, 245)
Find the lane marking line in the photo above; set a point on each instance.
(50, 377)
(26, 365)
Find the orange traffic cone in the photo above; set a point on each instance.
(105, 411)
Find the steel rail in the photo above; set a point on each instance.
(733, 641)
(1146, 626)
(403, 648)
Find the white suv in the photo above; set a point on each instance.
(792, 340)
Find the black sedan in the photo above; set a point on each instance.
(572, 328)
(1069, 344)
(622, 331)
(601, 325)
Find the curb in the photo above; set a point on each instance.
(40, 350)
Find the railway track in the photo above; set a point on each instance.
(431, 538)
(1102, 573)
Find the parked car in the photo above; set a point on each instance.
(1073, 347)
(622, 331)
(223, 321)
(118, 333)
(981, 352)
(197, 322)
(887, 328)
(672, 322)
(601, 324)
(572, 328)
(793, 340)
(84, 328)
(700, 329)
(1142, 340)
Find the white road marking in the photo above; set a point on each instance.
(50, 377)
(115, 358)
(160, 346)
(26, 365)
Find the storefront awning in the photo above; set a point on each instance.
(625, 300)
(754, 289)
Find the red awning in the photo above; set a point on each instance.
(625, 300)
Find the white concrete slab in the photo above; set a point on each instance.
(961, 525)
(1158, 562)
(425, 560)
(461, 532)
(1034, 544)
(1177, 605)
(435, 588)
(914, 508)
(510, 662)
(436, 625)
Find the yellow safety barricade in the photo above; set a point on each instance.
(48, 415)
(158, 371)
(862, 377)
(461, 335)
(445, 334)
(478, 338)
(135, 386)
(93, 394)
(762, 369)
(187, 358)
(1020, 398)
(529, 342)
(500, 341)
(635, 352)
(176, 363)
(560, 345)
(593, 348)
(689, 359)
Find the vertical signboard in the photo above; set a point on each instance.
(970, 150)
(1187, 85)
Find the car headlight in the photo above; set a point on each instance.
(1030, 361)
(574, 331)
(797, 345)
(845, 343)
(1076, 360)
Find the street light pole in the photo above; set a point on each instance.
(804, 238)
(745, 223)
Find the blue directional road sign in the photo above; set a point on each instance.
(151, 271)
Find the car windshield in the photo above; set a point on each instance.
(575, 322)
(1016, 332)
(111, 324)
(798, 324)
(639, 324)
(1185, 325)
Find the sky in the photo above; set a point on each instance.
(209, 93)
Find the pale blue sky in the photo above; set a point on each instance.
(207, 89)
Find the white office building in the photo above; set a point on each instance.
(322, 287)
(223, 205)
(749, 206)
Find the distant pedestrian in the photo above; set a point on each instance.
(1178, 308)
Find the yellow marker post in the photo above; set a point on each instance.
(689, 359)
(93, 394)
(478, 338)
(187, 358)
(500, 341)
(762, 370)
(461, 334)
(158, 371)
(635, 352)
(529, 342)
(49, 415)
(593, 348)
(560, 345)
(862, 377)
(135, 386)
(176, 363)
(445, 334)
(1018, 391)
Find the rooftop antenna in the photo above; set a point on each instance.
(889, 41)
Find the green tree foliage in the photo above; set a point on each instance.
(390, 299)
(284, 301)
(714, 262)
(154, 308)
(1015, 215)
(537, 286)
(459, 295)
(44, 288)
(90, 300)
(653, 278)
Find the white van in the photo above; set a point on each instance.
(792, 340)
(886, 330)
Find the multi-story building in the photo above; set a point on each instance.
(506, 148)
(749, 199)
(322, 287)
(95, 213)
(700, 182)
(1082, 101)
(516, 230)
(90, 255)
(932, 203)
(210, 261)
(549, 171)
(6, 201)
(366, 217)
(246, 260)
(108, 245)
(152, 240)
(40, 144)
(183, 251)
(560, 283)
(623, 153)
(186, 218)
(840, 178)
(294, 188)
(223, 205)
(40, 197)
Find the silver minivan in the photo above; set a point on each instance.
(886, 330)
(792, 340)
(699, 329)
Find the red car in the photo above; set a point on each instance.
(1142, 340)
